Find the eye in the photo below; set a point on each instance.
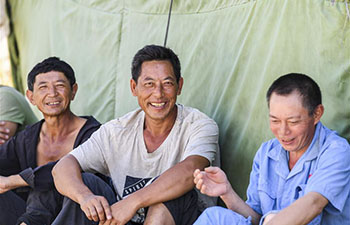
(148, 84)
(274, 121)
(42, 87)
(168, 83)
(294, 122)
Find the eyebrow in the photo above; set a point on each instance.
(167, 78)
(291, 117)
(57, 81)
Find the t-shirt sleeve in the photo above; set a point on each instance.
(203, 140)
(332, 175)
(91, 155)
(10, 109)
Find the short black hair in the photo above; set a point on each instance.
(155, 52)
(303, 84)
(48, 65)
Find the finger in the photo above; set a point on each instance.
(114, 222)
(4, 130)
(105, 222)
(199, 184)
(196, 172)
(4, 137)
(210, 169)
(105, 213)
(197, 178)
(93, 213)
(204, 189)
(87, 212)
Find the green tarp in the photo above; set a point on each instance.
(231, 51)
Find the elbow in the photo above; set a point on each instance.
(318, 202)
(57, 169)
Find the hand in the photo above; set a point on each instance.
(4, 184)
(96, 208)
(122, 212)
(212, 181)
(268, 218)
(4, 132)
(11, 182)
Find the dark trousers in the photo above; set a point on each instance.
(71, 212)
(183, 209)
(11, 207)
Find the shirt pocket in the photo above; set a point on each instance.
(267, 195)
(299, 191)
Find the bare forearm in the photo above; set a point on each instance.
(302, 211)
(171, 184)
(235, 203)
(11, 182)
(68, 179)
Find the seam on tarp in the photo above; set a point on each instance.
(198, 12)
(163, 13)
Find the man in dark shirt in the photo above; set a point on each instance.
(26, 159)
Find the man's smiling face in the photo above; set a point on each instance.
(291, 122)
(157, 89)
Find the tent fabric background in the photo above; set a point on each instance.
(230, 50)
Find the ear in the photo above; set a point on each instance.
(74, 90)
(318, 112)
(180, 84)
(29, 95)
(133, 87)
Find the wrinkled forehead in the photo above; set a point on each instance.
(156, 68)
(50, 76)
(286, 103)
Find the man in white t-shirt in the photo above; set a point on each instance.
(149, 153)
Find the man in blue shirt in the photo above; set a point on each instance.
(300, 177)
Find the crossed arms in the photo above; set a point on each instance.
(171, 184)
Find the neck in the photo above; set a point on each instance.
(57, 126)
(160, 127)
(294, 157)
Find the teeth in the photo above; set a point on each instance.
(158, 104)
(53, 103)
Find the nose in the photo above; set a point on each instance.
(52, 91)
(284, 129)
(158, 91)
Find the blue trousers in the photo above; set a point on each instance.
(219, 215)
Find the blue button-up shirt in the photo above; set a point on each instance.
(323, 168)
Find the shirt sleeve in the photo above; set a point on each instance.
(91, 155)
(332, 175)
(253, 199)
(9, 162)
(10, 109)
(203, 140)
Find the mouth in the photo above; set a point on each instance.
(52, 103)
(158, 105)
(287, 141)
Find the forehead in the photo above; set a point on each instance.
(49, 77)
(156, 68)
(287, 105)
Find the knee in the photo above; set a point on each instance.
(212, 211)
(99, 187)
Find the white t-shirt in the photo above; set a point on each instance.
(118, 149)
